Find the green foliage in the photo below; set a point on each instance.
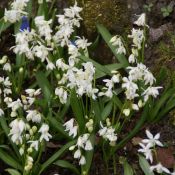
(166, 11)
(148, 7)
(145, 166)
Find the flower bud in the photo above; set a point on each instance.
(140, 103)
(21, 70)
(34, 129)
(90, 129)
(30, 150)
(126, 112)
(72, 148)
(3, 60)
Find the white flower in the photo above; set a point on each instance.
(146, 151)
(116, 41)
(7, 67)
(41, 52)
(82, 43)
(159, 168)
(132, 58)
(84, 142)
(15, 105)
(50, 65)
(71, 128)
(61, 65)
(108, 133)
(151, 91)
(135, 107)
(82, 160)
(34, 116)
(62, 94)
(77, 154)
(138, 37)
(44, 132)
(43, 27)
(34, 144)
(7, 82)
(141, 21)
(148, 78)
(33, 92)
(130, 87)
(152, 140)
(126, 112)
(1, 112)
(17, 127)
(88, 145)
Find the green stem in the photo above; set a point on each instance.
(143, 45)
(105, 158)
(114, 165)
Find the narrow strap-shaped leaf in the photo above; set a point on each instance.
(3, 25)
(77, 110)
(44, 85)
(97, 111)
(43, 10)
(13, 171)
(58, 126)
(67, 165)
(6, 130)
(107, 36)
(5, 156)
(117, 102)
(127, 169)
(163, 99)
(145, 165)
(169, 106)
(56, 156)
(89, 156)
(107, 110)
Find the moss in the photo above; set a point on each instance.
(165, 56)
(113, 14)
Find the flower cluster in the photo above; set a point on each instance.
(108, 133)
(148, 148)
(83, 143)
(16, 12)
(70, 19)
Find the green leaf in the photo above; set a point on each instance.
(117, 102)
(4, 25)
(58, 126)
(102, 70)
(43, 10)
(107, 36)
(77, 108)
(67, 165)
(65, 109)
(96, 108)
(6, 130)
(133, 132)
(56, 155)
(89, 156)
(12, 171)
(44, 85)
(107, 110)
(127, 169)
(145, 165)
(9, 160)
(160, 103)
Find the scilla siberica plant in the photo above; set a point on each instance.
(52, 75)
